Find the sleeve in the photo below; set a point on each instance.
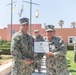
(16, 49)
(61, 50)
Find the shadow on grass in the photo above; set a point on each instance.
(72, 70)
(69, 65)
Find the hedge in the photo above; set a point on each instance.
(70, 47)
(6, 51)
(5, 46)
(0, 52)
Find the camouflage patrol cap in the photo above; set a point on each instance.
(49, 28)
(35, 31)
(24, 21)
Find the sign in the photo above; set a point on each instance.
(41, 47)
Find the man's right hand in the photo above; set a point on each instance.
(29, 61)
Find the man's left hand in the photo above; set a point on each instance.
(50, 54)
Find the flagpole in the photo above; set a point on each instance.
(30, 17)
(11, 16)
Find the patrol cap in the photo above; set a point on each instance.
(35, 31)
(24, 21)
(49, 28)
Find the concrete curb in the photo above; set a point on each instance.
(5, 69)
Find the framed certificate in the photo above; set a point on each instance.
(41, 47)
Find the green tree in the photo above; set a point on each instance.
(61, 22)
(73, 24)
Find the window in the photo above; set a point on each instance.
(13, 31)
(71, 39)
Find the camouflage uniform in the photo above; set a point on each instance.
(57, 64)
(38, 56)
(21, 49)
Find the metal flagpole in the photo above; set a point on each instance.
(11, 16)
(30, 17)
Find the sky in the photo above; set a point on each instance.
(50, 12)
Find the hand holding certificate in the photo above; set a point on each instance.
(41, 47)
(50, 54)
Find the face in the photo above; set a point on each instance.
(24, 28)
(36, 34)
(49, 34)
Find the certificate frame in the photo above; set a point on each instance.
(41, 47)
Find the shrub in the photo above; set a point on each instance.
(5, 51)
(70, 47)
(0, 52)
(5, 46)
(2, 42)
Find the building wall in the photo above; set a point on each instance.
(65, 33)
(3, 34)
(15, 28)
(35, 27)
(62, 32)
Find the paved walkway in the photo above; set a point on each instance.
(43, 68)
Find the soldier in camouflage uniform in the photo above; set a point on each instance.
(56, 63)
(37, 63)
(21, 50)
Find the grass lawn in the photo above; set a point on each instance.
(72, 67)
